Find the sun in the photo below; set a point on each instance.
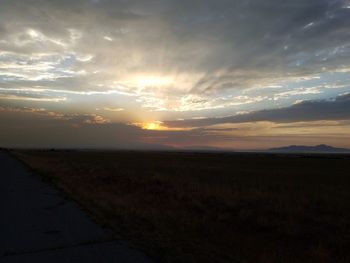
(152, 126)
(158, 126)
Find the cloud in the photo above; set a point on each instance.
(41, 128)
(111, 109)
(32, 98)
(336, 109)
(38, 127)
(208, 49)
(145, 61)
(73, 118)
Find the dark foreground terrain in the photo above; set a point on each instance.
(211, 207)
(37, 224)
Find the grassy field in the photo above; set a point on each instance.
(211, 207)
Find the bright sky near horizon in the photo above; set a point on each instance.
(236, 74)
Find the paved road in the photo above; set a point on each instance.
(38, 225)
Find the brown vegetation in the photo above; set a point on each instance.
(198, 207)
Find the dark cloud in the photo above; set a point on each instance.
(337, 109)
(40, 128)
(30, 127)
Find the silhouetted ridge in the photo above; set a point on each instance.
(318, 148)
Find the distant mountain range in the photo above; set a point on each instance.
(322, 148)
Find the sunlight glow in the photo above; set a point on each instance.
(151, 81)
(158, 126)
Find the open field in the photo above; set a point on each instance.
(212, 207)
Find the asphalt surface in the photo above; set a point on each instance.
(37, 224)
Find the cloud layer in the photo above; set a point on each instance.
(116, 62)
(206, 50)
(336, 109)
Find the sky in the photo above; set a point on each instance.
(156, 74)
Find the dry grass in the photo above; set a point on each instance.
(186, 207)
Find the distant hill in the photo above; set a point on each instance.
(322, 148)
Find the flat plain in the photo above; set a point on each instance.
(211, 207)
